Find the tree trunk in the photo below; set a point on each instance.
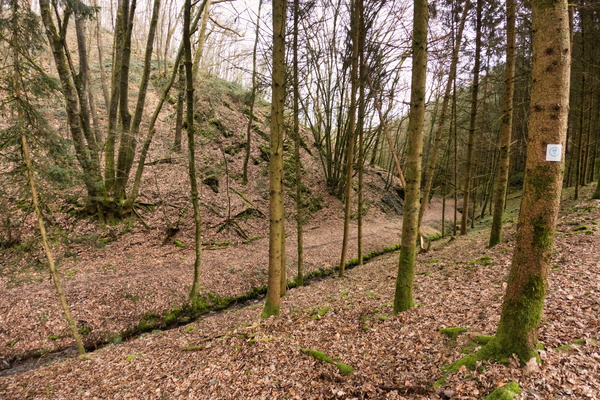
(202, 38)
(403, 299)
(187, 46)
(129, 137)
(297, 139)
(254, 83)
(351, 128)
(49, 256)
(472, 122)
(163, 97)
(276, 215)
(438, 135)
(179, 111)
(101, 60)
(91, 172)
(523, 303)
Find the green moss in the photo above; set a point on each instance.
(344, 369)
(506, 392)
(542, 233)
(440, 383)
(321, 313)
(564, 347)
(178, 243)
(403, 299)
(520, 317)
(454, 332)
(579, 342)
(319, 355)
(483, 260)
(270, 309)
(483, 339)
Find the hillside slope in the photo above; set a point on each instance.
(237, 354)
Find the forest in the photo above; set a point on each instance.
(304, 199)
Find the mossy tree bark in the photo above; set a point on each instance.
(192, 146)
(91, 169)
(403, 299)
(506, 129)
(276, 212)
(351, 130)
(524, 299)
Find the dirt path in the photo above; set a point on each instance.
(109, 290)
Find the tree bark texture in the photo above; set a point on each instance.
(524, 299)
(506, 128)
(187, 47)
(403, 299)
(276, 212)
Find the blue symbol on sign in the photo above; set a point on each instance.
(554, 151)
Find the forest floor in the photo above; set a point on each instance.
(238, 355)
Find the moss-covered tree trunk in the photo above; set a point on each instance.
(523, 303)
(403, 299)
(276, 216)
(91, 170)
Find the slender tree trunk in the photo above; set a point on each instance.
(360, 126)
(297, 139)
(49, 256)
(115, 87)
(202, 38)
(101, 60)
(187, 46)
(438, 135)
(179, 111)
(472, 123)
(129, 137)
(151, 130)
(351, 130)
(506, 128)
(253, 94)
(276, 212)
(91, 172)
(403, 299)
